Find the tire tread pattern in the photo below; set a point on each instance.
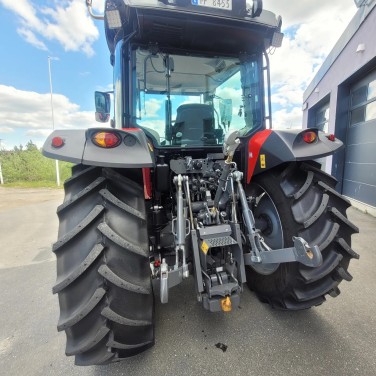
(65, 281)
(98, 209)
(310, 207)
(103, 274)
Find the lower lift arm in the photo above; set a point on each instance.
(261, 253)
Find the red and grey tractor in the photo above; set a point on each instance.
(190, 180)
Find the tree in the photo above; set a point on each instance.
(30, 146)
(27, 164)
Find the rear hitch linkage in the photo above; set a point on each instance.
(261, 253)
(181, 228)
(221, 289)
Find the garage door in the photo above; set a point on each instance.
(360, 161)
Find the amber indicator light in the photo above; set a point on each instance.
(309, 137)
(106, 140)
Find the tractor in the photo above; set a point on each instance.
(188, 179)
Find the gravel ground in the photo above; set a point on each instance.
(337, 338)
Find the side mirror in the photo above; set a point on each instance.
(102, 107)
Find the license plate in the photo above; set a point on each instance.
(217, 4)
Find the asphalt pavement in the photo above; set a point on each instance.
(337, 338)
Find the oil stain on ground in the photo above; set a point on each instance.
(221, 346)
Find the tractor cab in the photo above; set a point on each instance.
(187, 72)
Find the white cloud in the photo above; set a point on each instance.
(25, 10)
(295, 12)
(72, 27)
(98, 6)
(156, 126)
(31, 38)
(40, 133)
(189, 100)
(284, 119)
(68, 23)
(30, 112)
(287, 95)
(5, 130)
(151, 108)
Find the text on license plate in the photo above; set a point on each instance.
(218, 4)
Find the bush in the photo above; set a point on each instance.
(29, 165)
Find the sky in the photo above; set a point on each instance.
(32, 30)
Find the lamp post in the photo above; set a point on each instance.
(1, 171)
(52, 115)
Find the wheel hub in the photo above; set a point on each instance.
(270, 225)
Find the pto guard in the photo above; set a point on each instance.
(270, 148)
(134, 151)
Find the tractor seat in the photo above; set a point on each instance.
(194, 122)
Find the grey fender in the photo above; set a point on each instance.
(269, 148)
(134, 150)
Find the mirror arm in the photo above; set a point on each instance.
(90, 10)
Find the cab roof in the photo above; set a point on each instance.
(179, 24)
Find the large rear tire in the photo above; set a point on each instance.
(300, 200)
(103, 273)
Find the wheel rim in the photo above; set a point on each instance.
(265, 211)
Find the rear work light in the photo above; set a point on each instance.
(106, 140)
(309, 137)
(57, 142)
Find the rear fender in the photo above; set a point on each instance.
(135, 151)
(270, 148)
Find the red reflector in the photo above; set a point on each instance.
(57, 142)
(157, 263)
(106, 139)
(331, 137)
(309, 137)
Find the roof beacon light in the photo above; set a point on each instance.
(309, 137)
(107, 140)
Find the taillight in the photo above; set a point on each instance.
(57, 142)
(106, 140)
(309, 137)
